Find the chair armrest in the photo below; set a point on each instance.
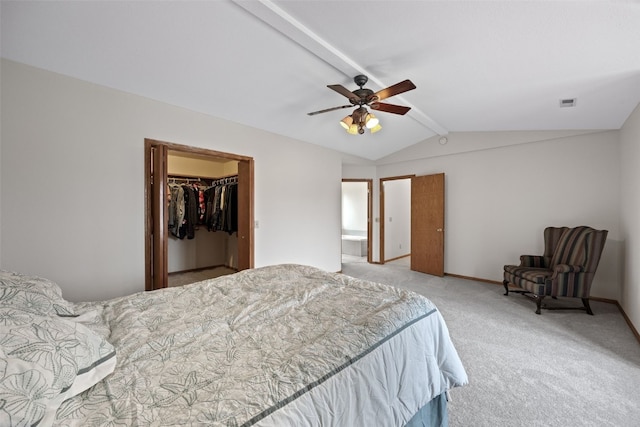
(564, 268)
(533, 261)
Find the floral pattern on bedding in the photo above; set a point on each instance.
(222, 351)
(34, 294)
(43, 361)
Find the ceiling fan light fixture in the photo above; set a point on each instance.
(371, 121)
(359, 121)
(363, 98)
(360, 115)
(346, 122)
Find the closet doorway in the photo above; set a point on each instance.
(159, 157)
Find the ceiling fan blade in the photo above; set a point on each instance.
(344, 92)
(329, 109)
(390, 108)
(396, 89)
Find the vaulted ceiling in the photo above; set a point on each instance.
(477, 65)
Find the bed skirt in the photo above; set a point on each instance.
(433, 414)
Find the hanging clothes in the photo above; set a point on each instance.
(214, 206)
(188, 228)
(176, 209)
(231, 219)
(201, 203)
(222, 205)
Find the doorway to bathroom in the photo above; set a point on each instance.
(357, 210)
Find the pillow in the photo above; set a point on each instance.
(45, 360)
(34, 294)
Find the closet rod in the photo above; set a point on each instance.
(169, 175)
(173, 179)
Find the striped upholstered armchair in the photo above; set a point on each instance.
(566, 269)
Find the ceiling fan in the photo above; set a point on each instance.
(363, 98)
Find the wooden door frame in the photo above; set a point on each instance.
(246, 165)
(156, 269)
(382, 181)
(369, 213)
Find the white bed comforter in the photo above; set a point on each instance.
(285, 345)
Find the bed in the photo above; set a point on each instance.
(284, 345)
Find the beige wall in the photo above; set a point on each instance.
(503, 188)
(630, 217)
(72, 177)
(500, 197)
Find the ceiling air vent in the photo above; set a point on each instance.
(570, 102)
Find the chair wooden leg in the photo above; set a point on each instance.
(587, 307)
(538, 299)
(506, 287)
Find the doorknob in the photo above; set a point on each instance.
(439, 229)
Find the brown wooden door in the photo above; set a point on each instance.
(245, 215)
(427, 224)
(159, 208)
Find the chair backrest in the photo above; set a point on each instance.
(551, 238)
(576, 246)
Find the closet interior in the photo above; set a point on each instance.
(202, 217)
